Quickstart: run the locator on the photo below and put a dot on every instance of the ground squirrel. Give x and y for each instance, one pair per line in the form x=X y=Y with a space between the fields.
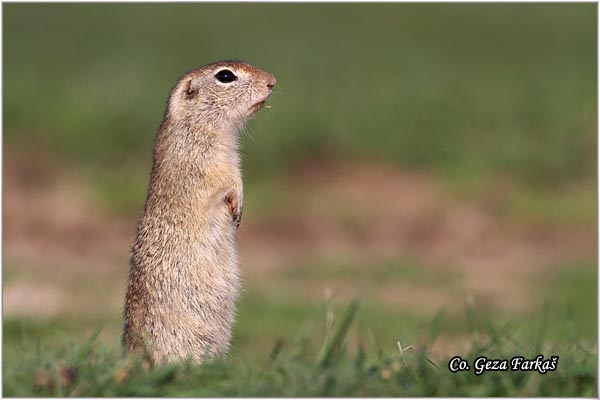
x=184 y=278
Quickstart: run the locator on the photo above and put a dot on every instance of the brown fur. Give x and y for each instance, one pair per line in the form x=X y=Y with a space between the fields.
x=184 y=277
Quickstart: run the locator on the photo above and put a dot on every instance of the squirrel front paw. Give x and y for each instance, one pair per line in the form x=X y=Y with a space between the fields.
x=236 y=206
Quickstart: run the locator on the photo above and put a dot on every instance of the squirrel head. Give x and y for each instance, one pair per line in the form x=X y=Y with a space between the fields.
x=221 y=96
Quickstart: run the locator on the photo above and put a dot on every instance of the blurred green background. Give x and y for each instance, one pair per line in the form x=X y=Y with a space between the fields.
x=415 y=155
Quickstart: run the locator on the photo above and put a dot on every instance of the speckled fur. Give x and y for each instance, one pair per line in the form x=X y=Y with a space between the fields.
x=184 y=276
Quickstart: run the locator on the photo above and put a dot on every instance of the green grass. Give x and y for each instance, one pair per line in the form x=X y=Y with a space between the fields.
x=468 y=92
x=36 y=350
x=319 y=362
x=291 y=302
x=572 y=294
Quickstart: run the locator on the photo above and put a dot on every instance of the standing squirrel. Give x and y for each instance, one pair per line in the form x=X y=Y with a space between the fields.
x=184 y=275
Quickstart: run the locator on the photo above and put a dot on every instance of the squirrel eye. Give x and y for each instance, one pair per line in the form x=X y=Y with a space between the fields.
x=225 y=76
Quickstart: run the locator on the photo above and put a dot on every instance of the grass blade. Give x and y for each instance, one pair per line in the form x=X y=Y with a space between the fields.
x=340 y=334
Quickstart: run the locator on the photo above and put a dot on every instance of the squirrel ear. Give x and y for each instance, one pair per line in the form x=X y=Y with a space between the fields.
x=190 y=92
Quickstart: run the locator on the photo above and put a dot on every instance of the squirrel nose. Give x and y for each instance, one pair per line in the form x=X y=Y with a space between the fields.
x=271 y=81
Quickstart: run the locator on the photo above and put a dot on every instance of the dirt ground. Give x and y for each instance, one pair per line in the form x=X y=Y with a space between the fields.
x=62 y=254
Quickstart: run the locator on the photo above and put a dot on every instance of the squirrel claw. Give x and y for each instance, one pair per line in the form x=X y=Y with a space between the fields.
x=235 y=208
